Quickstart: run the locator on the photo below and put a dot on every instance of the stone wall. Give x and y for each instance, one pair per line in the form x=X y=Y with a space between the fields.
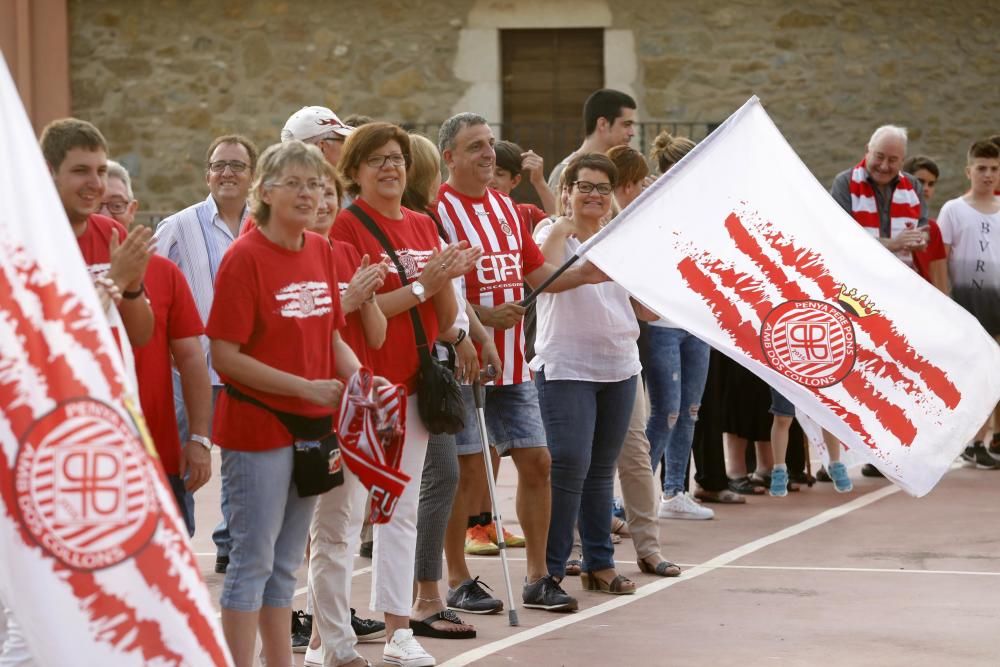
x=162 y=78
x=829 y=73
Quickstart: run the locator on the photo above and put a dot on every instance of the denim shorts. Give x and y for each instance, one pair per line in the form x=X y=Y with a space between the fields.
x=268 y=525
x=781 y=406
x=513 y=420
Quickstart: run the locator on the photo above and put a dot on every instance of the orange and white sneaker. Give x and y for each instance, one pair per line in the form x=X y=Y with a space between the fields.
x=512 y=540
x=478 y=542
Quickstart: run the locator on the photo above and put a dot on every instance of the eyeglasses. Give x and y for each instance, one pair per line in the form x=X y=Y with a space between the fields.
x=116 y=206
x=313 y=185
x=378 y=161
x=586 y=187
x=219 y=166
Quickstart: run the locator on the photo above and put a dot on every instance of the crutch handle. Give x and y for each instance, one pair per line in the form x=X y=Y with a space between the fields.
x=477 y=394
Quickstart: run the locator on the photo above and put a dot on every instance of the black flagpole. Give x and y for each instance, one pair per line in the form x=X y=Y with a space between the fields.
x=528 y=300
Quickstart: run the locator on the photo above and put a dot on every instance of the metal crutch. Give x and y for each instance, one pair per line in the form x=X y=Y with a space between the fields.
x=477 y=392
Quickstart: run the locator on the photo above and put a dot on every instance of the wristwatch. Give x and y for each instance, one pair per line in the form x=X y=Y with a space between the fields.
x=418 y=291
x=202 y=440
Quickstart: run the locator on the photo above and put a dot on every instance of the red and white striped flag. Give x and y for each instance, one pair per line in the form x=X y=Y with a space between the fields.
x=740 y=245
x=97 y=567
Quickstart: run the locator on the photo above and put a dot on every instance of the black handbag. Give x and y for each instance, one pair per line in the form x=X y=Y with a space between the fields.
x=439 y=397
x=316 y=463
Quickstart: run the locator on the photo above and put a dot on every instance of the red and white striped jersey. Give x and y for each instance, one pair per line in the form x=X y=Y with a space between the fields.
x=491 y=222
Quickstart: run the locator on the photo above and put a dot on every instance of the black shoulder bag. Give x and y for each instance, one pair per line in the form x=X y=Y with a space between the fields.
x=439 y=398
x=316 y=462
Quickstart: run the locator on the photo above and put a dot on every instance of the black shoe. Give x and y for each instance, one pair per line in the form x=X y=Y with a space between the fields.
x=980 y=456
x=221 y=563
x=800 y=477
x=868 y=470
x=823 y=476
x=547 y=594
x=471 y=597
x=367 y=630
x=366 y=550
x=302 y=624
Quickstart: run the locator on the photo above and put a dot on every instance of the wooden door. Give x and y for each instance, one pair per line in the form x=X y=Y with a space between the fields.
x=547 y=76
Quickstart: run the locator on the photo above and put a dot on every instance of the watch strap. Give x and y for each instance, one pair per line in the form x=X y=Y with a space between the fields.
x=135 y=294
x=201 y=440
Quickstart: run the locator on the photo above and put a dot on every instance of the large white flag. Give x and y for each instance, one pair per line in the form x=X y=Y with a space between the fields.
x=96 y=564
x=740 y=245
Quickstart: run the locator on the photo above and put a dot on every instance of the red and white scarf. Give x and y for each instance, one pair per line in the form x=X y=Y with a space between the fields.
x=372 y=430
x=904 y=209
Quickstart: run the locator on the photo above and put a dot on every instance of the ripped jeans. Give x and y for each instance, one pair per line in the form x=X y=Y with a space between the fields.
x=675 y=374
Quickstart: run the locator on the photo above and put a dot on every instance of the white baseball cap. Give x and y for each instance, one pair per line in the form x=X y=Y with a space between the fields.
x=309 y=122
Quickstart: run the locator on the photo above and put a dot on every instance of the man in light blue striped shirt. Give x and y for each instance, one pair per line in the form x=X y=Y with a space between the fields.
x=195 y=239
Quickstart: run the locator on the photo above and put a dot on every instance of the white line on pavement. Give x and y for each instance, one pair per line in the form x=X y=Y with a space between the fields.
x=470 y=657
x=878 y=570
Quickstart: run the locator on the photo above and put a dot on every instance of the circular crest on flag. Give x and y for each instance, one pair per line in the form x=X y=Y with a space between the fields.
x=306 y=301
x=809 y=342
x=85 y=486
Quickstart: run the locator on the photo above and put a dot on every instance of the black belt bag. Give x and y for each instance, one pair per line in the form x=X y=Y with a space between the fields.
x=316 y=463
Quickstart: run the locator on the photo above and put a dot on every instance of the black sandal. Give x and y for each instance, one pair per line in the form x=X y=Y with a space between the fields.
x=662 y=569
x=425 y=629
x=744 y=486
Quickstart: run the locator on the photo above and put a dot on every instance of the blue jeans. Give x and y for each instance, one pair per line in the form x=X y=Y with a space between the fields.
x=676 y=373
x=268 y=526
x=585 y=424
x=221 y=534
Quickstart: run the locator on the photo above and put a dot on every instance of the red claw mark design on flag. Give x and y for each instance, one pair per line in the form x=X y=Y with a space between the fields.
x=799 y=275
x=52 y=362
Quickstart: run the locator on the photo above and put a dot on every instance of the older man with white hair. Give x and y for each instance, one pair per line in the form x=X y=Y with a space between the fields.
x=886 y=201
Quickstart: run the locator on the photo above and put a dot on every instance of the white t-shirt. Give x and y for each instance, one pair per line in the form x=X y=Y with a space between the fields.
x=587 y=333
x=973 y=260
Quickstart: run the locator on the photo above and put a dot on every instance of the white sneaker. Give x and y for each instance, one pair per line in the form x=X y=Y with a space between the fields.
x=405 y=651
x=683 y=506
x=314 y=657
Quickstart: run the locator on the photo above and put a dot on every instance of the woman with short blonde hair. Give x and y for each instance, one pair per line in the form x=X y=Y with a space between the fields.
x=275 y=343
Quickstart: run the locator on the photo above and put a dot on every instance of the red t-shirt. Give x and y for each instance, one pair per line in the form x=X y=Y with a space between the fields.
x=492 y=223
x=934 y=251
x=95 y=241
x=176 y=316
x=348 y=260
x=413 y=238
x=248 y=225
x=281 y=306
x=531 y=215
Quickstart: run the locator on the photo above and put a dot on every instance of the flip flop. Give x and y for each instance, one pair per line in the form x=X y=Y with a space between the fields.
x=724 y=497
x=744 y=486
x=425 y=629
